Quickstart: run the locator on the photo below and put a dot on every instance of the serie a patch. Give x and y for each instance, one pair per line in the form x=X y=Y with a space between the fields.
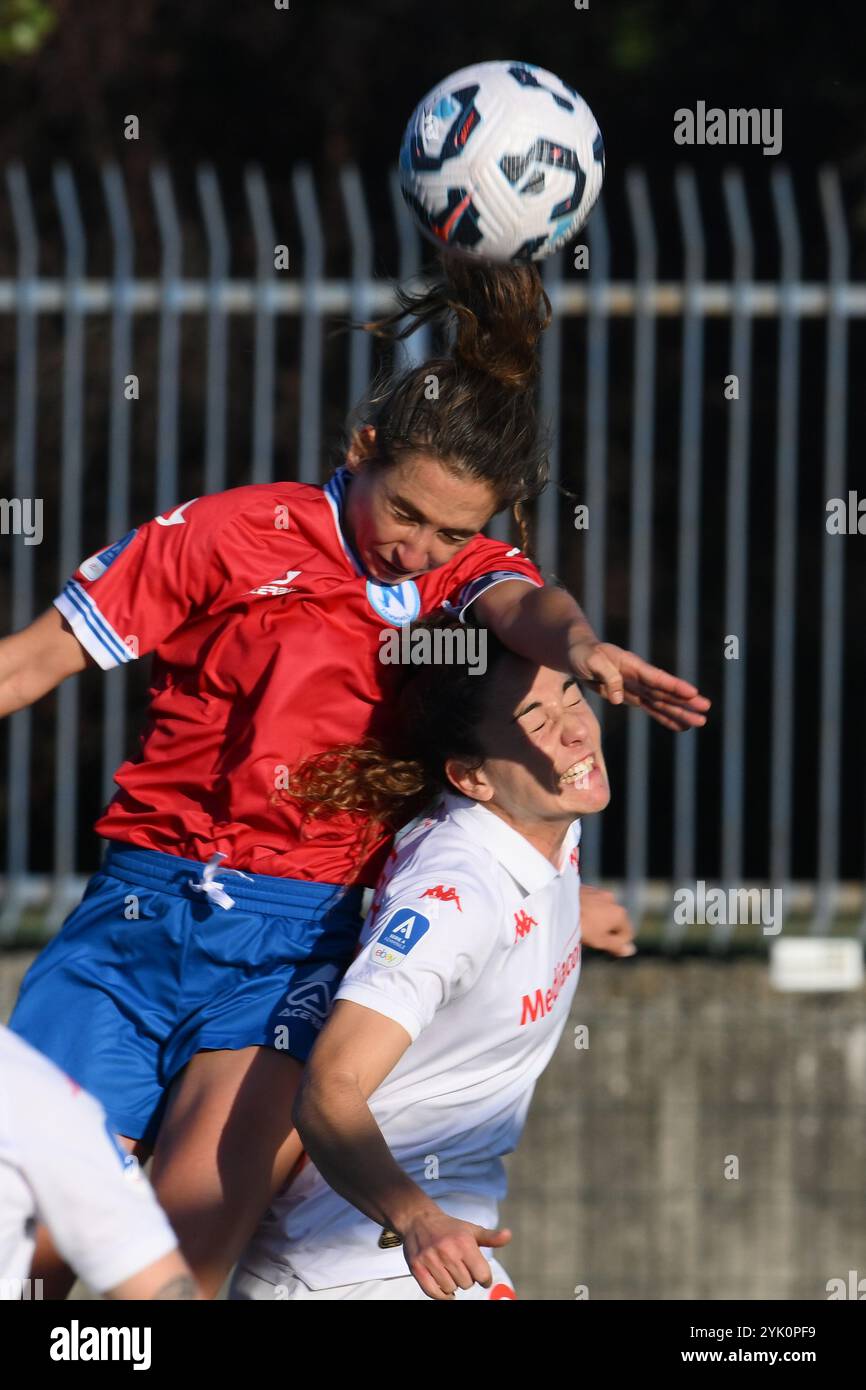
x=96 y=565
x=403 y=931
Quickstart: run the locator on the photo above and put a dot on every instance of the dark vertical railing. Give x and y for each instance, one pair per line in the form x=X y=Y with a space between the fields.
x=302 y=291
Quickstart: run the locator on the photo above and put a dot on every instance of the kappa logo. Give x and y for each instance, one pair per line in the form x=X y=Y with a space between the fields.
x=523 y=924
x=275 y=587
x=574 y=858
x=443 y=895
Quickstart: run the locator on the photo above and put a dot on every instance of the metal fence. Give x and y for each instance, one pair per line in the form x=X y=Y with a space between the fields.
x=309 y=298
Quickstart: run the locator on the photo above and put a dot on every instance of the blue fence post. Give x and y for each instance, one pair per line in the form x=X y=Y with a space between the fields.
x=120 y=416
x=785 y=569
x=736 y=548
x=168 y=384
x=358 y=221
x=594 y=540
x=833 y=552
x=547 y=513
x=19 y=731
x=216 y=389
x=419 y=345
x=689 y=531
x=71 y=493
x=265 y=349
x=311 y=325
x=640 y=577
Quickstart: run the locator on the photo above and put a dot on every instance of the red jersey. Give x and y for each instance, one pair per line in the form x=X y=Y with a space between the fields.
x=265 y=632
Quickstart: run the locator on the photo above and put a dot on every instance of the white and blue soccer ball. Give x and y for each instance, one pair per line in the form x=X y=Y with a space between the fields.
x=502 y=160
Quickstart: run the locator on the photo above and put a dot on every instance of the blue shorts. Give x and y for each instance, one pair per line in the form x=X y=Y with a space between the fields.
x=147 y=971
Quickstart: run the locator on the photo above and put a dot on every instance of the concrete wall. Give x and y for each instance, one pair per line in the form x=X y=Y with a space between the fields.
x=620 y=1183
x=692 y=1067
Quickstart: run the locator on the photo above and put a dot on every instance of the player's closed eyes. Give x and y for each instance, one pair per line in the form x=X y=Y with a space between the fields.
x=412 y=521
x=572 y=705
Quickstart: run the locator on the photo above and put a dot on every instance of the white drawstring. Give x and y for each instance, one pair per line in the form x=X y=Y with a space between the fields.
x=206 y=884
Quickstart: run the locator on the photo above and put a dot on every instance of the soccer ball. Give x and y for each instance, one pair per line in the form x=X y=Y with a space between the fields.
x=502 y=160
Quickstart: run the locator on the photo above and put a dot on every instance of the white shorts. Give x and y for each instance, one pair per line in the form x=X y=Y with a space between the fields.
x=246 y=1285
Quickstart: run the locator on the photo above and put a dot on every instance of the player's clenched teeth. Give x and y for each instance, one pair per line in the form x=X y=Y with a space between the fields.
x=579 y=772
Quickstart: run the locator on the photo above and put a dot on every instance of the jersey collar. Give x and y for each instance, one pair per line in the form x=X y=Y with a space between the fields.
x=513 y=851
x=335 y=491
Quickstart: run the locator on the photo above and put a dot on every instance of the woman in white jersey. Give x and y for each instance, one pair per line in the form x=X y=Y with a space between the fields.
x=422 y=1077
x=60 y=1163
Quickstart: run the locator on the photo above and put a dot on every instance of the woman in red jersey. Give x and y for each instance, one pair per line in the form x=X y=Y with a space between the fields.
x=184 y=995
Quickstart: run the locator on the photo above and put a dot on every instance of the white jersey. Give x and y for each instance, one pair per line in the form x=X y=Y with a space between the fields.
x=60 y=1164
x=472 y=944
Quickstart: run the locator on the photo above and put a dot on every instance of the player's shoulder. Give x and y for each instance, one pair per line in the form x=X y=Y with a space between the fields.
x=488 y=545
x=439 y=861
x=257 y=500
x=488 y=548
x=484 y=559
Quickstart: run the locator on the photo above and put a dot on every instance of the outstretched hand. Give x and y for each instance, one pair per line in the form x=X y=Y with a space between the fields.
x=622 y=677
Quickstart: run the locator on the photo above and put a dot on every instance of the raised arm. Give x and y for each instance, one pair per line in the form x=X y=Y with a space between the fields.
x=547 y=626
x=354 y=1053
x=37 y=659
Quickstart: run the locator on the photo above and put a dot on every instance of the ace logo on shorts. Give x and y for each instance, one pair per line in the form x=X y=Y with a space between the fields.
x=403 y=931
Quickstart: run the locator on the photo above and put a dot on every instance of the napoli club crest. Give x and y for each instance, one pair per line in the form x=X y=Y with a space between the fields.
x=397 y=604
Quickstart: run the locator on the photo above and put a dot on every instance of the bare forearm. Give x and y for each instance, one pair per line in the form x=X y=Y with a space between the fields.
x=36 y=660
x=168 y=1278
x=14 y=681
x=547 y=627
x=341 y=1136
x=20 y=688
x=543 y=625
